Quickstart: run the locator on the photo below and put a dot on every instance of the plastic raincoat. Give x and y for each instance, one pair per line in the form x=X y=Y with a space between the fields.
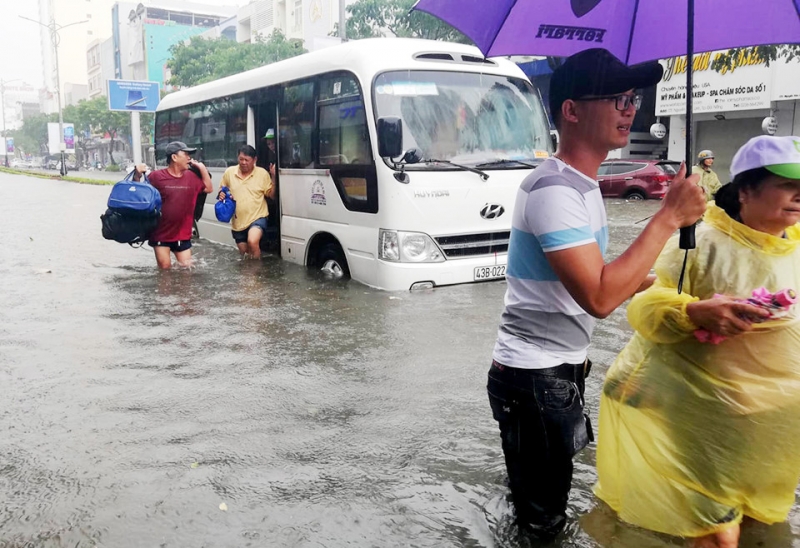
x=709 y=182
x=692 y=435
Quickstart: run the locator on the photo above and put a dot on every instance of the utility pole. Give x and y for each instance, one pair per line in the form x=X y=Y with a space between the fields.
x=54 y=36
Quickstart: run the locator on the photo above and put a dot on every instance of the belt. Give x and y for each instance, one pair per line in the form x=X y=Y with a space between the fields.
x=565 y=371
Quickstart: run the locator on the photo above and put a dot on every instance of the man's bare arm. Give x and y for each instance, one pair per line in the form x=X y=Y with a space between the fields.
x=600 y=288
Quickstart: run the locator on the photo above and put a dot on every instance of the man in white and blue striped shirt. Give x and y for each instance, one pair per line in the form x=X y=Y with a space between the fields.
x=559 y=283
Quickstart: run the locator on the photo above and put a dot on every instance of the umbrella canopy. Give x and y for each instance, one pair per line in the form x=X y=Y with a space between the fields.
x=633 y=30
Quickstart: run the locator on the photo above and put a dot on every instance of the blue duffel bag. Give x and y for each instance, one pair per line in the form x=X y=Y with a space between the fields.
x=134 y=209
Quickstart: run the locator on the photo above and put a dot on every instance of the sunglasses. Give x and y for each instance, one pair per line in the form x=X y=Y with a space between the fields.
x=622 y=102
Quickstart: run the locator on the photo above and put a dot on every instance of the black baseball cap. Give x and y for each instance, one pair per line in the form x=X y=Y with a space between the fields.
x=594 y=73
x=176 y=146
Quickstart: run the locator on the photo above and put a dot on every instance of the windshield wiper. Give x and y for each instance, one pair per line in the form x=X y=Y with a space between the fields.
x=504 y=161
x=484 y=175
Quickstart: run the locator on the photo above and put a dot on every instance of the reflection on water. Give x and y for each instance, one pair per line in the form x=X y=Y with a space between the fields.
x=252 y=403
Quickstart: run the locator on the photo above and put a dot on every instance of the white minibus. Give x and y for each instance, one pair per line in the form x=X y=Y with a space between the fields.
x=398 y=160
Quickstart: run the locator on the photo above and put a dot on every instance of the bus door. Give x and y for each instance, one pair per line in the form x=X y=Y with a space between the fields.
x=328 y=176
x=266 y=145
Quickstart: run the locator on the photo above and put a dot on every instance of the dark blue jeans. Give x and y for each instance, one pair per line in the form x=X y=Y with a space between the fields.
x=542 y=426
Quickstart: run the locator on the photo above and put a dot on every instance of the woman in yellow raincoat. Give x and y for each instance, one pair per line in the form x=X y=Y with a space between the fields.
x=693 y=436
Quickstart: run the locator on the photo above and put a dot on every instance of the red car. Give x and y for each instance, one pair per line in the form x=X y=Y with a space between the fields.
x=636 y=179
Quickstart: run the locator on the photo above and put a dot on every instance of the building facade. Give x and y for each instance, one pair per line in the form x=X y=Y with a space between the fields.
x=19 y=100
x=309 y=20
x=730 y=106
x=142 y=34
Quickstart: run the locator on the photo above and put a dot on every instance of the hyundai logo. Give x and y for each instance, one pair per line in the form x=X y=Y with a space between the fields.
x=492 y=211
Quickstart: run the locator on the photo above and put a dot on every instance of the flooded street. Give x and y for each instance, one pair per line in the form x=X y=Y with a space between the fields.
x=246 y=403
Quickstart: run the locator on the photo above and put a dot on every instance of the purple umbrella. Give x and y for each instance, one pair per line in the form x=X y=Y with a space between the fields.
x=634 y=31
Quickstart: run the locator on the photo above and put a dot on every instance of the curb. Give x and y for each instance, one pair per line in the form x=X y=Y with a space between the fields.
x=79 y=180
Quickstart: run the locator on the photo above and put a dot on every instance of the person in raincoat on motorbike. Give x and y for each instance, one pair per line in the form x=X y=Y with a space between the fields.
x=709 y=181
x=694 y=436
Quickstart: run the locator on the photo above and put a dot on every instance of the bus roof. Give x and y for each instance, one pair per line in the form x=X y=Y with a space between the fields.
x=363 y=57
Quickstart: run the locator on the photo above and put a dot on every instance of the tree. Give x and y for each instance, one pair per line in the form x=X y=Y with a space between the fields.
x=204 y=60
x=734 y=57
x=32 y=136
x=93 y=116
x=377 y=18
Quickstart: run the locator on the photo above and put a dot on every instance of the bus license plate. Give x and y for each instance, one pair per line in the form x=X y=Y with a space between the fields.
x=490 y=272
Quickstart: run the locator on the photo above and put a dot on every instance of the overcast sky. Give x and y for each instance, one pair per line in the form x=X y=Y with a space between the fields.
x=19 y=40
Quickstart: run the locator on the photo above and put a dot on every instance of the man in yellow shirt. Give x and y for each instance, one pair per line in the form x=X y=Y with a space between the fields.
x=709 y=181
x=249 y=185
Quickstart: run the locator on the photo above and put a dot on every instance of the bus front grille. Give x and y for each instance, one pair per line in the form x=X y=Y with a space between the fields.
x=473 y=245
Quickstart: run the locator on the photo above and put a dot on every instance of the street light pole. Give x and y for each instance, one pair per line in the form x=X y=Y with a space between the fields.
x=61 y=144
x=54 y=29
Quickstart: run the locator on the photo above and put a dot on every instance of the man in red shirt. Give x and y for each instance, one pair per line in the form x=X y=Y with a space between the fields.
x=179 y=187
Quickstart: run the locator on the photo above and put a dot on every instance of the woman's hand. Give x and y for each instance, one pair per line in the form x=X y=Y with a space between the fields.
x=725 y=316
x=645 y=285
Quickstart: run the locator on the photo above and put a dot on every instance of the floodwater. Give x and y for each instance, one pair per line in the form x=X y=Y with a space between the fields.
x=245 y=403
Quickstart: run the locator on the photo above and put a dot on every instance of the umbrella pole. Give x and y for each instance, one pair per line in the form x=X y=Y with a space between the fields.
x=687 y=233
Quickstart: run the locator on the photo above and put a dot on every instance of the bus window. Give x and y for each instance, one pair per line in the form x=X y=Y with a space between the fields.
x=297 y=124
x=237 y=128
x=343 y=134
x=464 y=117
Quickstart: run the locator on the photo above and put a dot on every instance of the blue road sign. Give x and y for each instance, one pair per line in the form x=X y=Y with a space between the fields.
x=133 y=95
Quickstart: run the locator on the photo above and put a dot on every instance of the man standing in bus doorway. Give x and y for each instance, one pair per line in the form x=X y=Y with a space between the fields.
x=271 y=154
x=179 y=187
x=249 y=185
x=709 y=181
x=558 y=282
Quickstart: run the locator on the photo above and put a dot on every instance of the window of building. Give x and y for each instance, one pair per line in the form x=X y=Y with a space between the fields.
x=298 y=14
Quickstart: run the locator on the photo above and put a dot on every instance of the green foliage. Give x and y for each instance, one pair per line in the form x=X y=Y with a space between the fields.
x=734 y=57
x=376 y=18
x=93 y=115
x=204 y=60
x=32 y=136
x=112 y=167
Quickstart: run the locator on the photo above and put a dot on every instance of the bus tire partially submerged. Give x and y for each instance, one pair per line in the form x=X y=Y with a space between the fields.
x=469 y=130
x=327 y=256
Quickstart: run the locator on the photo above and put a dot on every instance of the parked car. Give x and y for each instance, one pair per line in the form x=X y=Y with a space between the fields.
x=636 y=179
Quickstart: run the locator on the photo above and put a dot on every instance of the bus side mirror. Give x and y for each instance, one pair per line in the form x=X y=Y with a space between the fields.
x=554 y=138
x=390 y=137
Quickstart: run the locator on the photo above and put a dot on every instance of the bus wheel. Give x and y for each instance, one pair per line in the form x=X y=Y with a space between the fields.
x=331 y=261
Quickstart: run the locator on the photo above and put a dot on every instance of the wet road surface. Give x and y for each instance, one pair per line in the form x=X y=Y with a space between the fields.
x=245 y=403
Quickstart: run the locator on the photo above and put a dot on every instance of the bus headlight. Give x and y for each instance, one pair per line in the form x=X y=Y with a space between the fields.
x=408 y=247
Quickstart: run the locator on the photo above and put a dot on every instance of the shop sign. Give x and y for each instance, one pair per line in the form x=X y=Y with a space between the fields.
x=745 y=86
